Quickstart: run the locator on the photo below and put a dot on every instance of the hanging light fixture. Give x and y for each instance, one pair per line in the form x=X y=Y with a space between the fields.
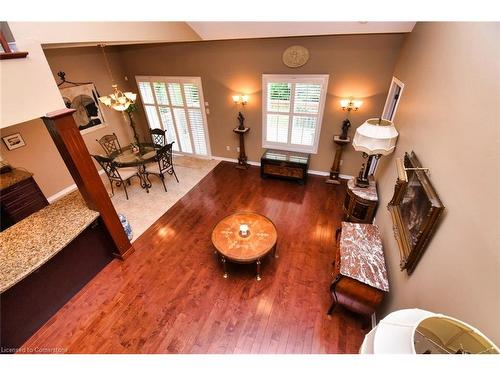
x=118 y=100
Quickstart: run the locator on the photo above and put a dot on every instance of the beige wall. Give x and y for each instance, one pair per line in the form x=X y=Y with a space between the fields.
x=449 y=115
x=27 y=89
x=39 y=156
x=86 y=64
x=358 y=65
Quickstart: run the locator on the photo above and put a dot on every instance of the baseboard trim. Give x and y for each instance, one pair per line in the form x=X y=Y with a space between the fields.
x=231 y=160
x=257 y=164
x=66 y=191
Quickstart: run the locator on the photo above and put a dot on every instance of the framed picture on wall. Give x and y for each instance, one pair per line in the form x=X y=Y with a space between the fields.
x=415 y=210
x=14 y=141
x=84 y=99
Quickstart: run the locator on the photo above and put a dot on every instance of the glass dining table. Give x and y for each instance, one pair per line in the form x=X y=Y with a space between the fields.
x=128 y=158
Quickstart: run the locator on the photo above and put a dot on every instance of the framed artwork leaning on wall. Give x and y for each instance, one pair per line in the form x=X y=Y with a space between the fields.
x=415 y=210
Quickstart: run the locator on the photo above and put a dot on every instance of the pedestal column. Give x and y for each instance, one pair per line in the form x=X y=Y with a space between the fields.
x=242 y=159
x=335 y=170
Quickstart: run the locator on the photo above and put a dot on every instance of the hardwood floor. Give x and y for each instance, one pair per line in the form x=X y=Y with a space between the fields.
x=169 y=296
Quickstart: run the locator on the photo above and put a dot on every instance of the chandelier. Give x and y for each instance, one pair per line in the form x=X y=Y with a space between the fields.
x=118 y=100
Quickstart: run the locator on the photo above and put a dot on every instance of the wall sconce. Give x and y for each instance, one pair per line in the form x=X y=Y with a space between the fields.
x=243 y=99
x=350 y=104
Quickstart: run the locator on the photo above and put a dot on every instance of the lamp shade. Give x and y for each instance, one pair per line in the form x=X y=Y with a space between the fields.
x=375 y=137
x=415 y=331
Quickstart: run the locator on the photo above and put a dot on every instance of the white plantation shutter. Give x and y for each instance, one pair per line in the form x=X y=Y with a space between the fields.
x=167 y=120
x=292 y=111
x=161 y=93
x=183 y=131
x=277 y=128
x=196 y=120
x=174 y=104
x=192 y=95
x=152 y=115
x=146 y=93
x=303 y=130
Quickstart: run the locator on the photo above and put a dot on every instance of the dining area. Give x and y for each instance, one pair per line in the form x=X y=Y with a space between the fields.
x=137 y=160
x=145 y=179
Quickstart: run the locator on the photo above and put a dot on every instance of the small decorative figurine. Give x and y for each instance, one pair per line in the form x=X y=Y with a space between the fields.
x=346 y=124
x=241 y=119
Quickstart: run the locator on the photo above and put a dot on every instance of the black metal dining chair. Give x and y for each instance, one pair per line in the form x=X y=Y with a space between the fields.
x=158 y=137
x=110 y=143
x=163 y=164
x=120 y=176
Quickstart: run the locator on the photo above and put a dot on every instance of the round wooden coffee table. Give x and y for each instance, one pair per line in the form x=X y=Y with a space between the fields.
x=248 y=247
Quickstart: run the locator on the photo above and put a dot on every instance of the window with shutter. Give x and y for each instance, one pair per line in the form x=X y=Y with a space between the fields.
x=175 y=104
x=292 y=111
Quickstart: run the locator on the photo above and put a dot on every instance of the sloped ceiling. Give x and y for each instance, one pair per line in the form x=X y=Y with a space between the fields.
x=245 y=30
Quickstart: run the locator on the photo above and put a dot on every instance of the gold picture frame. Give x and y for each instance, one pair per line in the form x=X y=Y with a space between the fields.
x=415 y=210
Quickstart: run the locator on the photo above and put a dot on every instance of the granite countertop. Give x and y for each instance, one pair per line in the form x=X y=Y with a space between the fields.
x=28 y=244
x=369 y=193
x=362 y=255
x=13 y=177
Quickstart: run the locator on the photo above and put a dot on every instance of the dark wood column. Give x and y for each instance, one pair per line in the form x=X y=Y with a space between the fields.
x=69 y=142
x=242 y=159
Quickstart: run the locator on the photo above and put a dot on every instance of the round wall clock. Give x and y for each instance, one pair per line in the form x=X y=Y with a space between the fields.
x=295 y=56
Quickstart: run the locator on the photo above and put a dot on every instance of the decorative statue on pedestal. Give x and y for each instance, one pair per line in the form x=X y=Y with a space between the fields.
x=346 y=124
x=241 y=119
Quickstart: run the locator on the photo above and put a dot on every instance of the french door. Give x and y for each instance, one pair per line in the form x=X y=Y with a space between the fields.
x=176 y=104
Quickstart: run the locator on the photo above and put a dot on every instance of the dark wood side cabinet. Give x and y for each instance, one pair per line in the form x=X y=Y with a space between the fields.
x=360 y=204
x=284 y=164
x=20 y=199
x=27 y=305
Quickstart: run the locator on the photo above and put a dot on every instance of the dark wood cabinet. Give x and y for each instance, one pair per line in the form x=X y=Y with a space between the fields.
x=27 y=305
x=284 y=164
x=360 y=204
x=20 y=200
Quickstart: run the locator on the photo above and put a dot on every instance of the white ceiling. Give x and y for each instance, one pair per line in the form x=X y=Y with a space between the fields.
x=245 y=30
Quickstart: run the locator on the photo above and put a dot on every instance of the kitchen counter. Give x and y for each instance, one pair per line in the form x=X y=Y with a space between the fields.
x=33 y=241
x=13 y=177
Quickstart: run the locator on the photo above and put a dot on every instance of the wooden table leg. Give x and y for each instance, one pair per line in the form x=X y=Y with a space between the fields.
x=258 y=270
x=224 y=267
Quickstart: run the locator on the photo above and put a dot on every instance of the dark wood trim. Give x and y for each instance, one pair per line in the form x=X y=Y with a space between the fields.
x=8 y=54
x=13 y=55
x=69 y=142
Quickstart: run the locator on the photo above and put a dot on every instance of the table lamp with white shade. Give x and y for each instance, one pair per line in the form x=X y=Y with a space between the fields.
x=416 y=331
x=375 y=137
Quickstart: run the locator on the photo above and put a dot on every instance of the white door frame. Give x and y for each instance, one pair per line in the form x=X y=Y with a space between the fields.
x=390 y=96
